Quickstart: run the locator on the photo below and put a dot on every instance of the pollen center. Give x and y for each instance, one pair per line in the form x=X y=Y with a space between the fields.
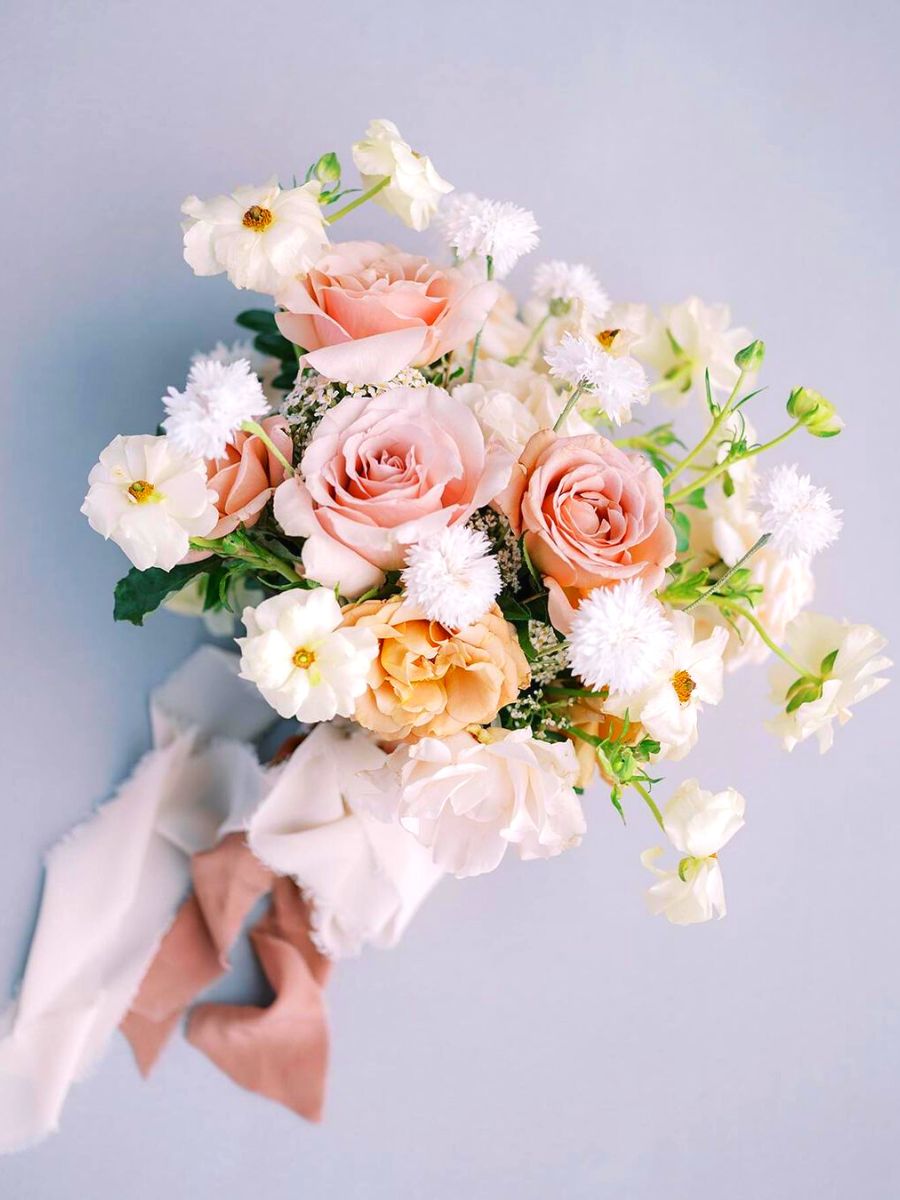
x=303 y=659
x=257 y=218
x=141 y=491
x=683 y=685
x=606 y=337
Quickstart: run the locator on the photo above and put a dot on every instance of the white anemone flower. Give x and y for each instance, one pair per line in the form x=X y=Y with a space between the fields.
x=796 y=512
x=261 y=237
x=415 y=189
x=705 y=341
x=452 y=576
x=620 y=637
x=690 y=676
x=489 y=229
x=469 y=797
x=216 y=402
x=303 y=662
x=698 y=823
x=150 y=499
x=850 y=659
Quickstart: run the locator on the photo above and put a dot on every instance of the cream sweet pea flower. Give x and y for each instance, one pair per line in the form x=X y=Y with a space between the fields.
x=150 y=499
x=261 y=237
x=850 y=658
x=691 y=676
x=415 y=190
x=699 y=824
x=470 y=797
x=304 y=664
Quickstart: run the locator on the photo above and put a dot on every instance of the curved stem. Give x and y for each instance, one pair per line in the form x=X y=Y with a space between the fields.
x=515 y=359
x=649 y=801
x=475 y=345
x=577 y=393
x=719 y=468
x=709 y=435
x=348 y=208
x=738 y=610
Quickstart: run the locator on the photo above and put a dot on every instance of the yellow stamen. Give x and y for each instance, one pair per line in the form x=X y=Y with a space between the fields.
x=683 y=685
x=142 y=492
x=303 y=659
x=606 y=337
x=257 y=218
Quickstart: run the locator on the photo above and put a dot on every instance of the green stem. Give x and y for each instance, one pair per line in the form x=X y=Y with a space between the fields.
x=719 y=468
x=719 y=584
x=649 y=801
x=738 y=610
x=475 y=345
x=709 y=435
x=255 y=428
x=577 y=393
x=348 y=208
x=529 y=345
x=257 y=557
x=644 y=443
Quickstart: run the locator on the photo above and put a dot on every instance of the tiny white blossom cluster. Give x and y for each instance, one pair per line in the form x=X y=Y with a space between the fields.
x=489 y=229
x=218 y=399
x=452 y=576
x=619 y=382
x=796 y=512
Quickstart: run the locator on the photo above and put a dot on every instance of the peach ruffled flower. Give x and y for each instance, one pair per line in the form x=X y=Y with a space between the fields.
x=429 y=682
x=591 y=516
x=367 y=311
x=246 y=475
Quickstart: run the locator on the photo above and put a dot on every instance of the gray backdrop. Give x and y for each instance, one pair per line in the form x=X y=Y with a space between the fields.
x=536 y=1034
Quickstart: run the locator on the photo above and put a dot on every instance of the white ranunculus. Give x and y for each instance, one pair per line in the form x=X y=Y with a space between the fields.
x=260 y=236
x=150 y=500
x=853 y=675
x=304 y=664
x=512 y=403
x=698 y=823
x=691 y=676
x=468 y=798
x=415 y=190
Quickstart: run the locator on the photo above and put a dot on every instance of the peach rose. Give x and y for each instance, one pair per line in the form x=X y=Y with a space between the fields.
x=591 y=515
x=429 y=682
x=246 y=476
x=366 y=311
x=380 y=474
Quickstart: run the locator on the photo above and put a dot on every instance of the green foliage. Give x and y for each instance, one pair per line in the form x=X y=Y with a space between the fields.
x=269 y=341
x=751 y=357
x=681 y=523
x=142 y=592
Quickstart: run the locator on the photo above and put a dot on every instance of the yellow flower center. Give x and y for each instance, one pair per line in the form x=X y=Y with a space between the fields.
x=257 y=218
x=683 y=685
x=142 y=492
x=606 y=337
x=303 y=659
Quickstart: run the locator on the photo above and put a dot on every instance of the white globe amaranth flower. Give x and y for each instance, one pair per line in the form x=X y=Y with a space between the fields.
x=848 y=658
x=452 y=576
x=698 y=823
x=575 y=360
x=690 y=676
x=619 y=638
x=796 y=512
x=619 y=383
x=571 y=283
x=468 y=798
x=150 y=499
x=494 y=229
x=261 y=237
x=696 y=337
x=217 y=400
x=303 y=662
x=415 y=189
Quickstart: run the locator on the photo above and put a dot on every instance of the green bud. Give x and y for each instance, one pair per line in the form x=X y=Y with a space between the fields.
x=328 y=168
x=817 y=414
x=751 y=357
x=560 y=307
x=802 y=691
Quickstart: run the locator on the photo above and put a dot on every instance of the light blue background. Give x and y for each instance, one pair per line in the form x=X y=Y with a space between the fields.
x=536 y=1034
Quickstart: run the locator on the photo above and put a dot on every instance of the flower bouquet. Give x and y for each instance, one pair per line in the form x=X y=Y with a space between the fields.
x=463 y=567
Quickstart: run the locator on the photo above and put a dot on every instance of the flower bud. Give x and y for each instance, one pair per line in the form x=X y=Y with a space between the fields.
x=751 y=357
x=815 y=412
x=328 y=168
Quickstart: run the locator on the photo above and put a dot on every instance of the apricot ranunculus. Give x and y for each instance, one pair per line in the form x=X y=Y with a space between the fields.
x=366 y=311
x=246 y=475
x=381 y=473
x=591 y=516
x=429 y=682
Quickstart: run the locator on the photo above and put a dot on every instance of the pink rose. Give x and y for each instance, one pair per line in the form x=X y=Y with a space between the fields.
x=246 y=476
x=382 y=473
x=591 y=515
x=366 y=311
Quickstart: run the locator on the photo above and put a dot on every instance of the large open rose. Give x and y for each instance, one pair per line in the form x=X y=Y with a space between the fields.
x=591 y=515
x=366 y=311
x=382 y=473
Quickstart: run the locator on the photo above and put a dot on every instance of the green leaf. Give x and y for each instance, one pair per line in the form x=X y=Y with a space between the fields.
x=260 y=320
x=682 y=525
x=828 y=662
x=696 y=499
x=727 y=485
x=276 y=346
x=142 y=592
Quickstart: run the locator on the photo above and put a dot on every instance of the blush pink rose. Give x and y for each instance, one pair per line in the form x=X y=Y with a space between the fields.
x=591 y=516
x=246 y=476
x=367 y=311
x=382 y=473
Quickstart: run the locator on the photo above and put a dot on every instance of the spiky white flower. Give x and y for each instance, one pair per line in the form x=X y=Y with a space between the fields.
x=452 y=576
x=576 y=360
x=217 y=400
x=150 y=499
x=415 y=190
x=227 y=354
x=303 y=662
x=260 y=236
x=699 y=824
x=494 y=229
x=848 y=658
x=620 y=383
x=797 y=514
x=571 y=283
x=620 y=637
